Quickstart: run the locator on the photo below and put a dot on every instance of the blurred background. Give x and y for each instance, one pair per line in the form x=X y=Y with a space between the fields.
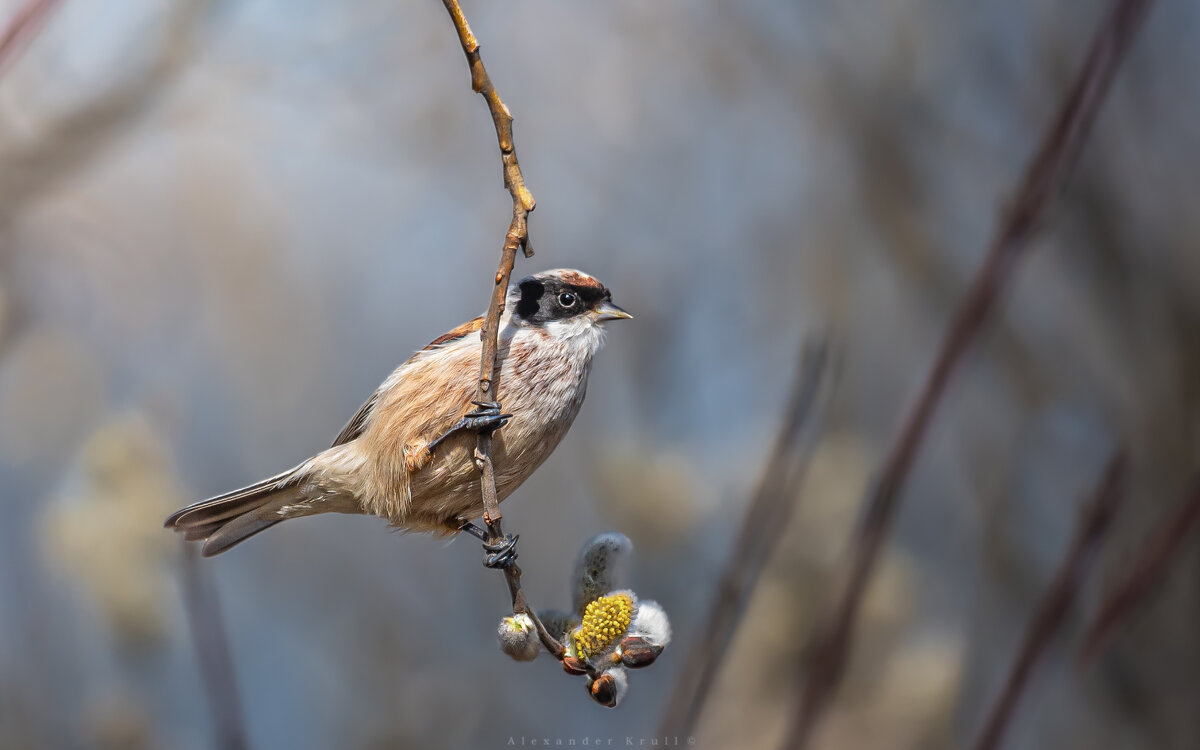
x=223 y=224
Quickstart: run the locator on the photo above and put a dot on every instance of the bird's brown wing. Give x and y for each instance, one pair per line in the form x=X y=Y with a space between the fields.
x=355 y=426
x=471 y=326
x=358 y=422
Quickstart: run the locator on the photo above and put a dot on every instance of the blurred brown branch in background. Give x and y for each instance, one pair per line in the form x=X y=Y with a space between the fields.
x=22 y=27
x=767 y=515
x=1058 y=600
x=66 y=145
x=517 y=237
x=212 y=654
x=830 y=644
x=1155 y=559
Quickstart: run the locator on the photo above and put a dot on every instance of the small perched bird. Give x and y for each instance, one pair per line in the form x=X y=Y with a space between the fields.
x=407 y=456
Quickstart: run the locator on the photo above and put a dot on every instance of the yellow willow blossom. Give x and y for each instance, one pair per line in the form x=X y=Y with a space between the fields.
x=605 y=620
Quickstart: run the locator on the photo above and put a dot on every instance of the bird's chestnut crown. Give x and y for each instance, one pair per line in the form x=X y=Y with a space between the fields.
x=559 y=295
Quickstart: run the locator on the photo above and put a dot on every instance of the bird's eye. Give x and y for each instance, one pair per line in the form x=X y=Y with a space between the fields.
x=566 y=299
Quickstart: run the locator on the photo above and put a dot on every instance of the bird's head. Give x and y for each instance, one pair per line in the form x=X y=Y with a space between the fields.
x=563 y=296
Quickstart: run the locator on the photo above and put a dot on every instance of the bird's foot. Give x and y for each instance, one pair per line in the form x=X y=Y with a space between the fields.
x=473 y=530
x=502 y=553
x=485 y=418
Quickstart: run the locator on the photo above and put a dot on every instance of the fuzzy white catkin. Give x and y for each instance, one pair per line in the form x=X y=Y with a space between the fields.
x=518 y=637
x=650 y=622
x=600 y=567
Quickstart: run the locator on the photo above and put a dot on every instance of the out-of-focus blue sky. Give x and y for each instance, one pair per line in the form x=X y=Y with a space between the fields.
x=222 y=224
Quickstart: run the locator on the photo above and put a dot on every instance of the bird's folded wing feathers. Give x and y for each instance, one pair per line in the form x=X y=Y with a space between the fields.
x=358 y=422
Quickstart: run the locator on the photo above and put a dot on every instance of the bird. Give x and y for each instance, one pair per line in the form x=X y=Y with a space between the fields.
x=407 y=455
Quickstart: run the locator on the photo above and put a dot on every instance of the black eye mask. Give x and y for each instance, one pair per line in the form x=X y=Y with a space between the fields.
x=540 y=303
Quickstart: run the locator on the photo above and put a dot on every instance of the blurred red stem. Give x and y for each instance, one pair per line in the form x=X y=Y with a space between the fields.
x=1043 y=177
x=22 y=27
x=1159 y=553
x=1058 y=600
x=212 y=654
x=767 y=515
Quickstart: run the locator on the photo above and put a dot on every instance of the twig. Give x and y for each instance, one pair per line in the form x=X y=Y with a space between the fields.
x=767 y=515
x=21 y=28
x=517 y=237
x=1160 y=552
x=1058 y=600
x=1042 y=180
x=523 y=203
x=212 y=654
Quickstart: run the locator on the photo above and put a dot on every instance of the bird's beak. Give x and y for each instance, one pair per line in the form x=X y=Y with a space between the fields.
x=609 y=311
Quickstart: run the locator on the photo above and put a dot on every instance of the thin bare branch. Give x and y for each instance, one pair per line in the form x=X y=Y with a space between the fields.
x=516 y=238
x=523 y=202
x=1158 y=555
x=212 y=654
x=1058 y=600
x=767 y=515
x=1042 y=181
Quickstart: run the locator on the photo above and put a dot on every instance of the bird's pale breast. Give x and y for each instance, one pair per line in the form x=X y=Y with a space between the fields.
x=542 y=382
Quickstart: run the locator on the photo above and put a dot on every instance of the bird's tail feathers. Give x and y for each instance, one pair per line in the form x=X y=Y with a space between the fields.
x=226 y=520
